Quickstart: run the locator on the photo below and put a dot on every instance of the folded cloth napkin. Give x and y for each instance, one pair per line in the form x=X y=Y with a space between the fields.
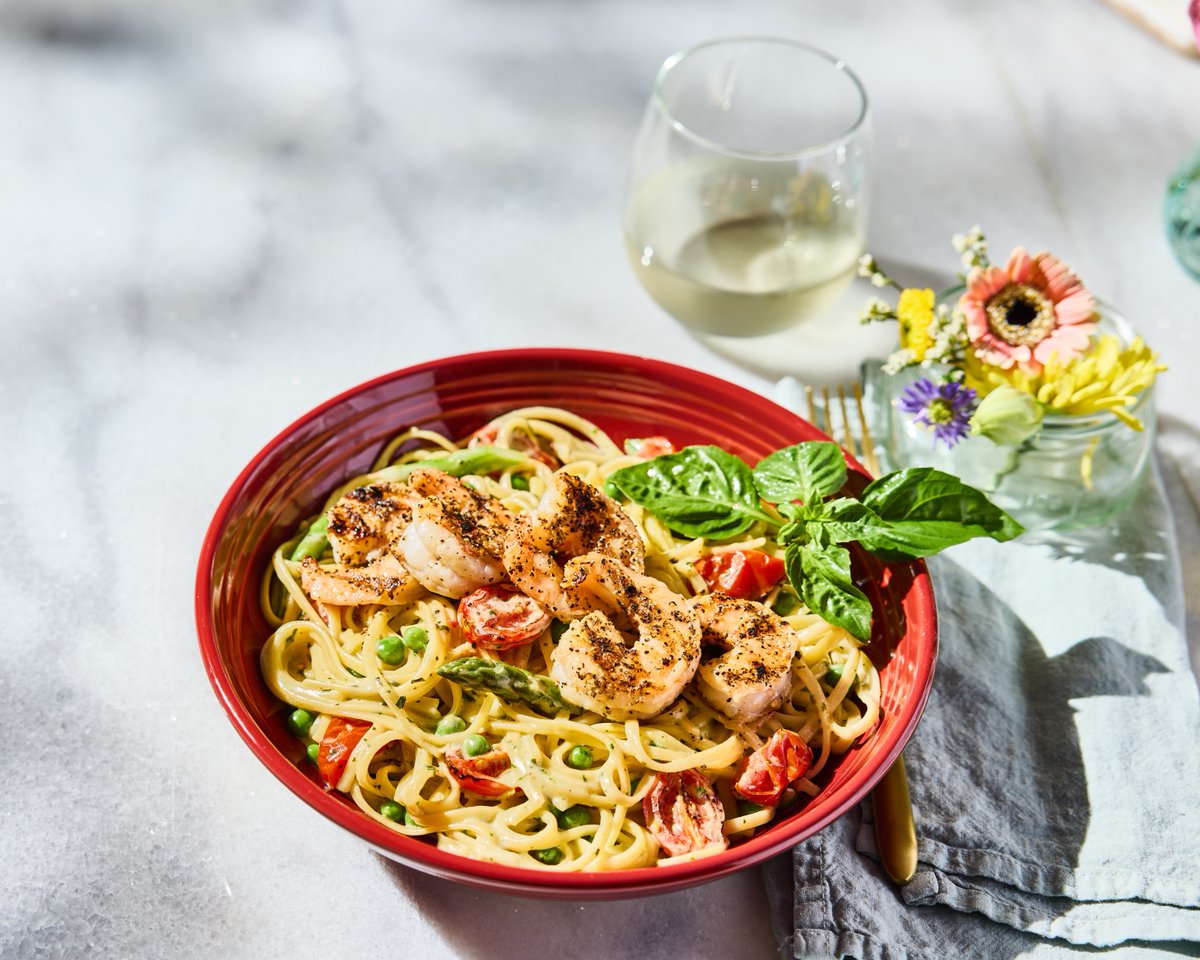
x=1055 y=774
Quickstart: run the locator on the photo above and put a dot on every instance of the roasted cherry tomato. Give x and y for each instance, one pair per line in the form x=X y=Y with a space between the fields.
x=478 y=774
x=500 y=616
x=772 y=767
x=486 y=435
x=341 y=736
x=521 y=441
x=742 y=574
x=649 y=447
x=683 y=813
x=529 y=446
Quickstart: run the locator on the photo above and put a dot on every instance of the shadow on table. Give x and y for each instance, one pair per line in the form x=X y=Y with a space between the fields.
x=1146 y=522
x=727 y=918
x=1025 y=696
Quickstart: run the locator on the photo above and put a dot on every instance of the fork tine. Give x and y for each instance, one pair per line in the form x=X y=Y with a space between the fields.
x=870 y=460
x=847 y=433
x=858 y=443
x=812 y=405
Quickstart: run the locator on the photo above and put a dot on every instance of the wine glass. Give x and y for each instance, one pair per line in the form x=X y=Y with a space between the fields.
x=747 y=201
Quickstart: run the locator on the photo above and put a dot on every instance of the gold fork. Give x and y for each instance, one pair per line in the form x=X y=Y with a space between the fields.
x=895 y=830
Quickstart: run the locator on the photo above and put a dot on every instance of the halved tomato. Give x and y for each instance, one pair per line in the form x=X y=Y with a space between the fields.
x=478 y=774
x=522 y=441
x=768 y=771
x=341 y=737
x=649 y=447
x=500 y=616
x=742 y=574
x=683 y=812
x=485 y=435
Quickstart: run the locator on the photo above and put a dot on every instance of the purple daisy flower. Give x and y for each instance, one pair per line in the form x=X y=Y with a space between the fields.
x=945 y=408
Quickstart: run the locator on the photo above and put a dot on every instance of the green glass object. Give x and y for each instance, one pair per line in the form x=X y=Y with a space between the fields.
x=1181 y=212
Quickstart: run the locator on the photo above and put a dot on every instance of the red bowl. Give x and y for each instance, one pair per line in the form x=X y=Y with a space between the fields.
x=625 y=395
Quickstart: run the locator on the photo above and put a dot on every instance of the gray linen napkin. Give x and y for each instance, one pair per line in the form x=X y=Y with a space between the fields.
x=1055 y=774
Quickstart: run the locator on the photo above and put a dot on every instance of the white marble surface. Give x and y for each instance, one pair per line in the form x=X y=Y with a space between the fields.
x=202 y=198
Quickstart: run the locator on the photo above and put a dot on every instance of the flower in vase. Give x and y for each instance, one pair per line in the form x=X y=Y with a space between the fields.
x=915 y=313
x=1007 y=416
x=1110 y=376
x=945 y=408
x=1194 y=13
x=1027 y=311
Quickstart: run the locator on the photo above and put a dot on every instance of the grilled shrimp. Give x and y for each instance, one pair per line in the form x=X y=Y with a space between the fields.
x=753 y=674
x=365 y=520
x=573 y=518
x=453 y=543
x=596 y=664
x=383 y=580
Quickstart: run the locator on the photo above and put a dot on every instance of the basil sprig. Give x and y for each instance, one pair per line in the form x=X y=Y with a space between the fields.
x=917 y=512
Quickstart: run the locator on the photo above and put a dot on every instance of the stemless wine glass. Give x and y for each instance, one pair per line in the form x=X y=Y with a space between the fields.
x=747 y=201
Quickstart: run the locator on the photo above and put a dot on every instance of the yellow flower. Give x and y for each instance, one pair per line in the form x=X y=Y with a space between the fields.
x=915 y=312
x=1107 y=377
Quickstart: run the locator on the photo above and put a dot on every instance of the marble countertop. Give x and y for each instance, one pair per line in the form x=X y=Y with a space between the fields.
x=202 y=198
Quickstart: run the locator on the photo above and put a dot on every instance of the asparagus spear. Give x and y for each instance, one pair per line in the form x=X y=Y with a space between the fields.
x=507 y=682
x=313 y=543
x=458 y=463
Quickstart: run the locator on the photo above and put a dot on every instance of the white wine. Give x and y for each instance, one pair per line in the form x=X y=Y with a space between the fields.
x=747 y=272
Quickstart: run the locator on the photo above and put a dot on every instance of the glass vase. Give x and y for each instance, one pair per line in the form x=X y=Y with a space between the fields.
x=1075 y=472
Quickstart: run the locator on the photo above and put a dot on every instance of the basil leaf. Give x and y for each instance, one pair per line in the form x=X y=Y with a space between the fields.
x=808 y=472
x=925 y=511
x=821 y=575
x=843 y=520
x=473 y=461
x=697 y=492
x=792 y=531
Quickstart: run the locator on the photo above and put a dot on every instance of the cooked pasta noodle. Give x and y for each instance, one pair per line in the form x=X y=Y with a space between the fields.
x=330 y=661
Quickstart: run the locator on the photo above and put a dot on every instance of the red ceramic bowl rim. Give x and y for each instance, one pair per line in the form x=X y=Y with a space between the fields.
x=518 y=880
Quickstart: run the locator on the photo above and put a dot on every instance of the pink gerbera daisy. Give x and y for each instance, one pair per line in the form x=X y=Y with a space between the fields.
x=1030 y=309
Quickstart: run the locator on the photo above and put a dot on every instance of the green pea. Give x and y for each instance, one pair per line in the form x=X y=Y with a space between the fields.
x=575 y=816
x=414 y=637
x=834 y=673
x=786 y=603
x=313 y=752
x=747 y=807
x=450 y=724
x=391 y=649
x=580 y=758
x=392 y=810
x=519 y=482
x=551 y=855
x=557 y=629
x=475 y=745
x=300 y=722
x=410 y=820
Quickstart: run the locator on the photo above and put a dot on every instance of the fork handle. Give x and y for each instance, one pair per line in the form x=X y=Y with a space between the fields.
x=895 y=832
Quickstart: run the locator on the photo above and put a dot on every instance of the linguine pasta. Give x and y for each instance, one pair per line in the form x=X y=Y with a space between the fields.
x=325 y=660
